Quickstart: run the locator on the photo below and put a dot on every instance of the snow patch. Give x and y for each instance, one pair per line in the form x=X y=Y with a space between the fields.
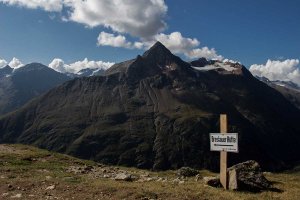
x=216 y=66
x=206 y=68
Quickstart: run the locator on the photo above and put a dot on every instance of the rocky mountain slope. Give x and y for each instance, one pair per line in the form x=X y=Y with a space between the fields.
x=289 y=90
x=21 y=85
x=156 y=111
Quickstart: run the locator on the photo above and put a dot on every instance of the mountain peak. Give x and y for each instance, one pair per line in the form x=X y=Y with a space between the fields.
x=156 y=60
x=31 y=67
x=157 y=48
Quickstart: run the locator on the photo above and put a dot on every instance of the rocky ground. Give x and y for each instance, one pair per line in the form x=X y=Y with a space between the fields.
x=30 y=173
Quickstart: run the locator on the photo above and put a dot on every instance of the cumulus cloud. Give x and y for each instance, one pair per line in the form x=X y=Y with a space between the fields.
x=231 y=61
x=173 y=41
x=79 y=65
x=48 y=5
x=204 y=52
x=179 y=44
x=176 y=42
x=3 y=63
x=142 y=18
x=287 y=70
x=108 y=39
x=15 y=63
x=59 y=65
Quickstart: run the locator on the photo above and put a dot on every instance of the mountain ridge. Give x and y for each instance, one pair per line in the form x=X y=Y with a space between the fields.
x=18 y=86
x=160 y=117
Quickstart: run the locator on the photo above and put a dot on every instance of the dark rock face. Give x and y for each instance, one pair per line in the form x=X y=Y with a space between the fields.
x=156 y=111
x=5 y=71
x=289 y=90
x=201 y=62
x=247 y=176
x=21 y=85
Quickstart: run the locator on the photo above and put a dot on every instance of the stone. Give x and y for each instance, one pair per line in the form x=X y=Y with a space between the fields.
x=5 y=194
x=247 y=176
x=176 y=180
x=198 y=177
x=187 y=172
x=17 y=196
x=212 y=181
x=51 y=187
x=232 y=182
x=124 y=177
x=87 y=169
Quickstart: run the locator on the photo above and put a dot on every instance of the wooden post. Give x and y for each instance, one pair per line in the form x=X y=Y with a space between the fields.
x=223 y=154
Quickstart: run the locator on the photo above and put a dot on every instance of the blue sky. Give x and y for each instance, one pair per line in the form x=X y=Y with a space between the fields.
x=249 y=31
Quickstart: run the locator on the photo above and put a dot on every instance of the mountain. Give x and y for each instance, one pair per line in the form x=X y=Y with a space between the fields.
x=20 y=85
x=87 y=72
x=290 y=90
x=156 y=111
x=5 y=71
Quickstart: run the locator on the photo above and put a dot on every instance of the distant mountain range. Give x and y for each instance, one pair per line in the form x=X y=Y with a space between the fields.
x=86 y=73
x=156 y=111
x=20 y=85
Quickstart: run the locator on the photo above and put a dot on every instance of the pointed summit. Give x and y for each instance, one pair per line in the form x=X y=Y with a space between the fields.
x=156 y=60
x=159 y=55
x=157 y=49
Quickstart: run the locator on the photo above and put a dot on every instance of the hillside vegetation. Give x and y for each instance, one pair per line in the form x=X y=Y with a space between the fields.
x=30 y=173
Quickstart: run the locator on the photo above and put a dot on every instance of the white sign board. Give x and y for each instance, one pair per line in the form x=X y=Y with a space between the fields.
x=224 y=142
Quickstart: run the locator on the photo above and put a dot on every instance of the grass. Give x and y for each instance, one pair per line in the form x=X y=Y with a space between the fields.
x=29 y=171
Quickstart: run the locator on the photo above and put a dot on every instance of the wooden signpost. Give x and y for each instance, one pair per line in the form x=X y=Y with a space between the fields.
x=223 y=154
x=224 y=142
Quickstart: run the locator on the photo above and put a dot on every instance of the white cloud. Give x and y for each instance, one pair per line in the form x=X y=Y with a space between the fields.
x=108 y=39
x=79 y=65
x=183 y=45
x=59 y=65
x=48 y=5
x=176 y=42
x=287 y=70
x=204 y=52
x=15 y=63
x=3 y=63
x=142 y=18
x=231 y=61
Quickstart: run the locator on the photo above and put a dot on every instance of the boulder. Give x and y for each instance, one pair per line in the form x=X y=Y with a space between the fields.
x=247 y=176
x=187 y=172
x=212 y=181
x=125 y=177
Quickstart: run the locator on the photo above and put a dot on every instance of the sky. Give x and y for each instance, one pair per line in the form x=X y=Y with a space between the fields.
x=263 y=35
